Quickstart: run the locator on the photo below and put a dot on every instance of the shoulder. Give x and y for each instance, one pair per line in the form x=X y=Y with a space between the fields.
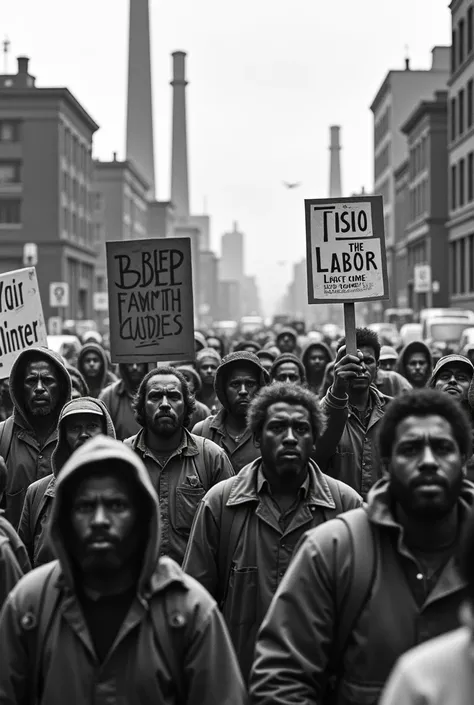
x=27 y=591
x=131 y=442
x=349 y=497
x=38 y=486
x=203 y=428
x=111 y=389
x=334 y=536
x=205 y=445
x=215 y=496
x=189 y=595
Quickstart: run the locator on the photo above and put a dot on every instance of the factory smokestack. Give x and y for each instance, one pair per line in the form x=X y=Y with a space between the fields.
x=140 y=147
x=335 y=188
x=179 y=153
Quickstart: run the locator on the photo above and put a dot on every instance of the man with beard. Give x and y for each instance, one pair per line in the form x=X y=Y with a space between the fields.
x=118 y=398
x=238 y=379
x=182 y=466
x=354 y=401
x=93 y=365
x=409 y=589
x=253 y=521
x=315 y=357
x=207 y=362
x=415 y=364
x=110 y=621
x=39 y=387
x=80 y=420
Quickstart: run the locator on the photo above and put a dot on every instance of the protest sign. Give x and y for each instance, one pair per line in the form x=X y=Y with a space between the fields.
x=22 y=323
x=150 y=300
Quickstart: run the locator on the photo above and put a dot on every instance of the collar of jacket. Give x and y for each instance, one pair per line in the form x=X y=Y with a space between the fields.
x=245 y=488
x=377 y=400
x=218 y=425
x=187 y=446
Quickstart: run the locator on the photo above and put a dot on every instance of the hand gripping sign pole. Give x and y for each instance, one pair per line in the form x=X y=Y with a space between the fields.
x=346 y=260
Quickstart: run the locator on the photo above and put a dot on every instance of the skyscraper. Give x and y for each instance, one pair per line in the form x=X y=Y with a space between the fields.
x=179 y=149
x=140 y=145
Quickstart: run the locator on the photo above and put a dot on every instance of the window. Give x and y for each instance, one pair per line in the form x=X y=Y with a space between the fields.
x=453 y=51
x=461 y=111
x=470 y=176
x=74 y=224
x=10 y=211
x=65 y=219
x=469 y=30
x=454 y=279
x=461 y=40
x=469 y=98
x=453 y=187
x=461 y=267
x=9 y=172
x=461 y=182
x=453 y=119
x=9 y=131
x=98 y=201
x=471 y=262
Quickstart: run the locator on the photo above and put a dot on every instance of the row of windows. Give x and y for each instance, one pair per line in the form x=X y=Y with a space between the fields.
x=462 y=111
x=77 y=192
x=417 y=255
x=10 y=172
x=76 y=151
x=459 y=179
x=462 y=254
x=418 y=157
x=10 y=211
x=419 y=200
x=382 y=127
x=382 y=161
x=76 y=225
x=462 y=40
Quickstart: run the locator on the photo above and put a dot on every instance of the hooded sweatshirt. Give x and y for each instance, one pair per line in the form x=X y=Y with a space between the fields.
x=104 y=378
x=78 y=381
x=288 y=331
x=315 y=387
x=39 y=496
x=28 y=460
x=136 y=670
x=118 y=398
x=288 y=357
x=414 y=346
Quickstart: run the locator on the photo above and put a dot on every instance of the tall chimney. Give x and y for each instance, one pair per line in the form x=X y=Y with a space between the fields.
x=140 y=147
x=335 y=189
x=179 y=153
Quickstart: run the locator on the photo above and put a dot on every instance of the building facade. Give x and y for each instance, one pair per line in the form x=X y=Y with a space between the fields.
x=423 y=231
x=461 y=156
x=399 y=94
x=46 y=191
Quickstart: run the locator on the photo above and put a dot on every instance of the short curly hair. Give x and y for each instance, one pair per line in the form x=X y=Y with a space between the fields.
x=139 y=400
x=424 y=402
x=365 y=338
x=287 y=393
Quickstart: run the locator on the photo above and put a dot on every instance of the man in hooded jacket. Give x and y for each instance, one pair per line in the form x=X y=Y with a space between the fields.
x=117 y=623
x=80 y=420
x=415 y=363
x=39 y=387
x=93 y=365
x=118 y=398
x=315 y=357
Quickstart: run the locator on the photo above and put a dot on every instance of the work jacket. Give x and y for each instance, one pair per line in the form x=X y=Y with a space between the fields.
x=214 y=428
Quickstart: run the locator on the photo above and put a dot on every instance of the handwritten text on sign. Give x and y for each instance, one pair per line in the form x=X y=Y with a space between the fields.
x=346 y=256
x=150 y=299
x=21 y=316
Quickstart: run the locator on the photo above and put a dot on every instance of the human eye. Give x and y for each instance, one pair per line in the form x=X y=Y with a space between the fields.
x=409 y=448
x=443 y=447
x=84 y=506
x=118 y=505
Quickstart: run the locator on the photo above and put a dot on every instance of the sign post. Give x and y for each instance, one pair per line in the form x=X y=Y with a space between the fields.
x=346 y=260
x=150 y=300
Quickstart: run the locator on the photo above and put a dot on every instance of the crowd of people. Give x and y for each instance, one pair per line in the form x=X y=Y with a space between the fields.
x=276 y=521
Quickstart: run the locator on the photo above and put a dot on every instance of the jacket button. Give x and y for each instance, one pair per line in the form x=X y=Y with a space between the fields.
x=40 y=457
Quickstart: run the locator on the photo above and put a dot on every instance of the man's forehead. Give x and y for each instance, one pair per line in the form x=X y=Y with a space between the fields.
x=167 y=381
x=242 y=370
x=420 y=426
x=367 y=350
x=456 y=367
x=284 y=410
x=103 y=484
x=40 y=366
x=287 y=366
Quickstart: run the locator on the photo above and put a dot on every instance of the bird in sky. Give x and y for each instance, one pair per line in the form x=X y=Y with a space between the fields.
x=288 y=184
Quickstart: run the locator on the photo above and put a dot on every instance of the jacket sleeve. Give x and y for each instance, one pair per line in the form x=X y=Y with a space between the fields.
x=295 y=640
x=24 y=528
x=400 y=687
x=202 y=552
x=336 y=411
x=211 y=669
x=16 y=667
x=10 y=571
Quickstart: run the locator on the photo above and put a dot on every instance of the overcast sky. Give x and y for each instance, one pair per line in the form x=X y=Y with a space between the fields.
x=267 y=79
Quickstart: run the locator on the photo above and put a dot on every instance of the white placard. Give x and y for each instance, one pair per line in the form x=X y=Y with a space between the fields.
x=59 y=294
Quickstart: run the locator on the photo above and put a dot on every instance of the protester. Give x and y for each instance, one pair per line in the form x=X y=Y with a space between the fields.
x=79 y=384
x=199 y=341
x=6 y=404
x=288 y=368
x=247 y=346
x=10 y=571
x=182 y=466
x=201 y=411
x=388 y=358
x=267 y=358
x=93 y=365
x=39 y=387
x=109 y=621
x=453 y=375
x=80 y=420
x=7 y=530
x=353 y=397
x=207 y=362
x=416 y=364
x=253 y=522
x=238 y=379
x=118 y=398
x=363 y=590
x=391 y=383
x=316 y=355
x=287 y=341
x=213 y=341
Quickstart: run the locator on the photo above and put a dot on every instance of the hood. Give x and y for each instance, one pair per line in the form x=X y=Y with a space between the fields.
x=118 y=459
x=227 y=363
x=200 y=340
x=62 y=452
x=195 y=375
x=94 y=347
x=16 y=381
x=288 y=357
x=312 y=344
x=287 y=331
x=206 y=354
x=446 y=360
x=78 y=380
x=123 y=373
x=414 y=346
x=242 y=344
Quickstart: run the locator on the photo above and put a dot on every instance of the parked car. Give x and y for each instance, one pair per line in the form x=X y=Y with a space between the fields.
x=446 y=331
x=427 y=314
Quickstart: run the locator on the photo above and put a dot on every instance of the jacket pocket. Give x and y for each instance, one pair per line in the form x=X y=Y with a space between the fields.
x=187 y=501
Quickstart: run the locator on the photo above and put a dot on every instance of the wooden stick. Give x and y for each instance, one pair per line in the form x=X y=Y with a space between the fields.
x=350 y=329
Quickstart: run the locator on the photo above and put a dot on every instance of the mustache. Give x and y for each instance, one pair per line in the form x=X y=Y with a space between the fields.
x=429 y=479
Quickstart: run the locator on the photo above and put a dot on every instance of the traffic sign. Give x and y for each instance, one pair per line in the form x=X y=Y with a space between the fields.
x=59 y=294
x=30 y=254
x=101 y=301
x=422 y=276
x=55 y=325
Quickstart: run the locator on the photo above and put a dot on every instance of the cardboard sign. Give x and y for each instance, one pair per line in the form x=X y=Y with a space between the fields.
x=150 y=300
x=345 y=242
x=22 y=323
